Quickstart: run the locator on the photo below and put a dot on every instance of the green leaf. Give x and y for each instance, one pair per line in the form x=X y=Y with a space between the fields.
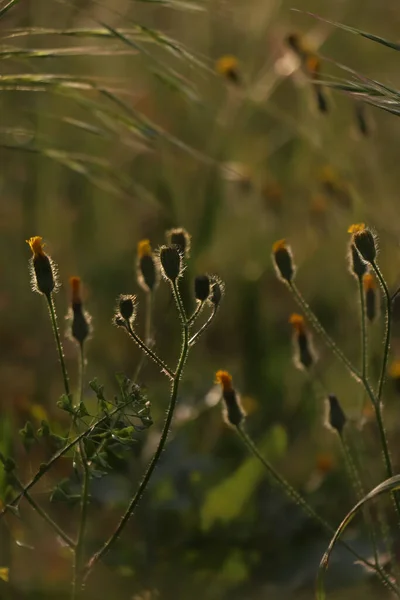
x=228 y=499
x=389 y=485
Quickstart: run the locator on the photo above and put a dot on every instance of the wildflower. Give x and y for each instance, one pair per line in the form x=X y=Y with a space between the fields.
x=364 y=241
x=202 y=287
x=171 y=262
x=369 y=284
x=304 y=356
x=43 y=270
x=228 y=66
x=79 y=318
x=126 y=309
x=335 y=417
x=180 y=238
x=217 y=291
x=283 y=261
x=357 y=266
x=147 y=272
x=233 y=411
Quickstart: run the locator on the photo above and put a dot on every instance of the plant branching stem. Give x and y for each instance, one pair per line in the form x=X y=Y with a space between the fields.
x=149 y=352
x=300 y=501
x=202 y=329
x=53 y=317
x=163 y=439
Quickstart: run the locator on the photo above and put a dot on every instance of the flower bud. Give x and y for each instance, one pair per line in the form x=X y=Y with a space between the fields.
x=217 y=291
x=202 y=287
x=335 y=419
x=147 y=272
x=364 y=241
x=357 y=265
x=127 y=307
x=180 y=238
x=304 y=356
x=233 y=411
x=228 y=66
x=369 y=284
x=79 y=318
x=171 y=262
x=283 y=261
x=43 y=270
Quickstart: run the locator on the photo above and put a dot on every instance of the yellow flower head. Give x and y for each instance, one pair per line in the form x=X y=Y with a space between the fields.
x=313 y=64
x=228 y=66
x=394 y=370
x=225 y=380
x=279 y=245
x=144 y=248
x=298 y=322
x=369 y=282
x=356 y=228
x=36 y=245
x=325 y=463
x=75 y=283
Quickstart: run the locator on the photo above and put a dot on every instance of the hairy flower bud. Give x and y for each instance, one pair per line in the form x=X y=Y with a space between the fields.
x=43 y=270
x=283 y=261
x=233 y=411
x=364 y=241
x=335 y=418
x=202 y=287
x=357 y=265
x=126 y=308
x=180 y=238
x=147 y=272
x=171 y=262
x=79 y=318
x=304 y=355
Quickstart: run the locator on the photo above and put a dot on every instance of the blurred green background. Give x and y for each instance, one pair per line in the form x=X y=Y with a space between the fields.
x=108 y=137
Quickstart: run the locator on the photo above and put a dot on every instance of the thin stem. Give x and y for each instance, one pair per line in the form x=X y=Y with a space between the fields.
x=147 y=332
x=163 y=439
x=53 y=317
x=45 y=467
x=298 y=499
x=388 y=329
x=149 y=352
x=318 y=327
x=79 y=549
x=359 y=493
x=45 y=516
x=202 y=329
x=199 y=308
x=364 y=341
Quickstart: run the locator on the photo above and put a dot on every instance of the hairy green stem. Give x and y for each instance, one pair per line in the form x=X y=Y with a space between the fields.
x=319 y=329
x=387 y=332
x=53 y=317
x=147 y=332
x=202 y=329
x=300 y=501
x=199 y=308
x=149 y=352
x=163 y=439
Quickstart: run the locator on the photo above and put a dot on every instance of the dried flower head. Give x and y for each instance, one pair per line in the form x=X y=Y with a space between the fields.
x=304 y=354
x=283 y=261
x=202 y=287
x=180 y=238
x=228 y=66
x=43 y=269
x=357 y=265
x=80 y=320
x=335 y=417
x=147 y=270
x=170 y=262
x=233 y=410
x=364 y=241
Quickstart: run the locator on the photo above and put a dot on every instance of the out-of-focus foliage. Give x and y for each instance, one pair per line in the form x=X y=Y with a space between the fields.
x=115 y=125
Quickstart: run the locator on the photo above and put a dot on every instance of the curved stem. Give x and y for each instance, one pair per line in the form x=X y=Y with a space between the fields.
x=163 y=439
x=53 y=317
x=298 y=499
x=79 y=549
x=388 y=329
x=196 y=313
x=149 y=352
x=318 y=327
x=202 y=329
x=147 y=332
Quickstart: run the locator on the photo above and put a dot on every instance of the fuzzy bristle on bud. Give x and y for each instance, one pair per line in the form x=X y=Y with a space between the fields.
x=180 y=238
x=79 y=318
x=364 y=241
x=126 y=308
x=233 y=411
x=357 y=265
x=283 y=261
x=335 y=417
x=170 y=262
x=217 y=291
x=147 y=272
x=202 y=287
x=304 y=355
x=43 y=270
x=369 y=284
